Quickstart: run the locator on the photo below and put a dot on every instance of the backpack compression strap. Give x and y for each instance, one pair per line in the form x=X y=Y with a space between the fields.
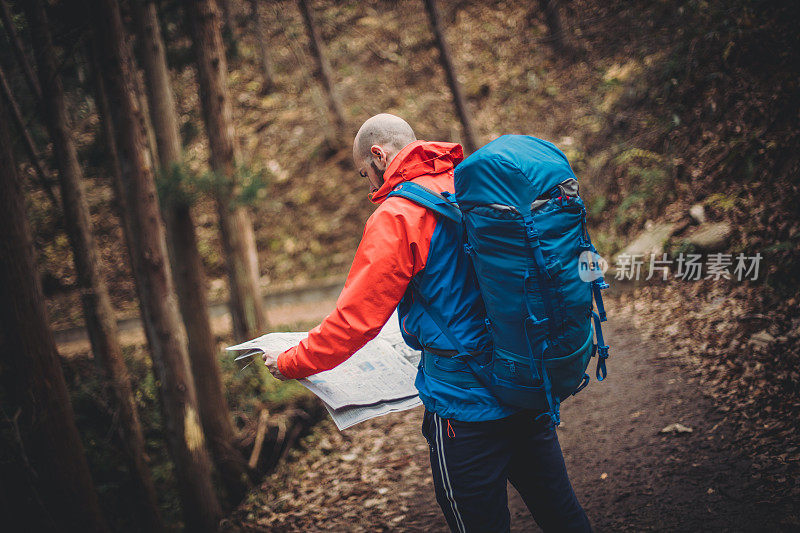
x=600 y=316
x=427 y=198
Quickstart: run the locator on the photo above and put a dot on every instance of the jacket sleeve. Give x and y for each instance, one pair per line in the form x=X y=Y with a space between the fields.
x=393 y=248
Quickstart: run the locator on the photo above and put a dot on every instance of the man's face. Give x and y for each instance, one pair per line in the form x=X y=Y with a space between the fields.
x=373 y=174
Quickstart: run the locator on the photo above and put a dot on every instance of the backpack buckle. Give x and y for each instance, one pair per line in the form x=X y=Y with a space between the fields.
x=583 y=384
x=602 y=355
x=530 y=229
x=534 y=322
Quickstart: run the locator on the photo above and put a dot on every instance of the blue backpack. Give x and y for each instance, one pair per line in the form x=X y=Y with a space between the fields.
x=536 y=267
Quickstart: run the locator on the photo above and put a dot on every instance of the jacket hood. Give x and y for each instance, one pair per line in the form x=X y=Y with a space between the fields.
x=417 y=159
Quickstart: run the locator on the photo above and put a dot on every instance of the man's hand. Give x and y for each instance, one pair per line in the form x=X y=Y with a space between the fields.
x=271 y=361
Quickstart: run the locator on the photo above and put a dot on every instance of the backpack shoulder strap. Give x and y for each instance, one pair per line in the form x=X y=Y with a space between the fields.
x=427 y=198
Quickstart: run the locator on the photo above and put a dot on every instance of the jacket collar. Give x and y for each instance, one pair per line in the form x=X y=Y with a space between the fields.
x=417 y=159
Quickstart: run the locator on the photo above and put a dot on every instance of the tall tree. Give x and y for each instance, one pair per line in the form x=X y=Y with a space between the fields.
x=227 y=14
x=184 y=255
x=229 y=28
x=238 y=239
x=27 y=140
x=149 y=130
x=19 y=50
x=470 y=137
x=95 y=300
x=553 y=20
x=34 y=392
x=106 y=133
x=147 y=243
x=323 y=69
x=267 y=72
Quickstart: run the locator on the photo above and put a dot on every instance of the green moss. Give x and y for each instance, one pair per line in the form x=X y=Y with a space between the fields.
x=726 y=203
x=597 y=205
x=646 y=175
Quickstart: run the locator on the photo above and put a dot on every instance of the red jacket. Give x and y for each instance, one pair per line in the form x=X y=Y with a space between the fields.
x=393 y=248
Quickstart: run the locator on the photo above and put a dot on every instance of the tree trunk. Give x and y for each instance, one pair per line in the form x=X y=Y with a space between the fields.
x=106 y=133
x=227 y=14
x=35 y=395
x=238 y=239
x=36 y=162
x=95 y=300
x=553 y=20
x=19 y=51
x=267 y=72
x=149 y=130
x=159 y=308
x=161 y=103
x=470 y=138
x=323 y=70
x=186 y=262
x=228 y=31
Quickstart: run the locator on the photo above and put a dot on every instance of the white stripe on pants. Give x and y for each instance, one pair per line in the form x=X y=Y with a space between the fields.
x=448 y=488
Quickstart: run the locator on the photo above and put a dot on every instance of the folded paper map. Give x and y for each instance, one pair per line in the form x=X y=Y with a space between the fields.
x=378 y=379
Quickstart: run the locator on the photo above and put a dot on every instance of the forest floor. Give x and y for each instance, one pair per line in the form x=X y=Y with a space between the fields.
x=628 y=474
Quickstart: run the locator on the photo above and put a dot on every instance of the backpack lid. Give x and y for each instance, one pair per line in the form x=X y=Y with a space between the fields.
x=511 y=170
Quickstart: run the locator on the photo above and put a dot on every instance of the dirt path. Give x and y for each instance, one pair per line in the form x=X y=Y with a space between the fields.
x=628 y=475
x=76 y=341
x=284 y=305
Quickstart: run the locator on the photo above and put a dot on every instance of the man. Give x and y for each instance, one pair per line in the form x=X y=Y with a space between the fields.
x=408 y=253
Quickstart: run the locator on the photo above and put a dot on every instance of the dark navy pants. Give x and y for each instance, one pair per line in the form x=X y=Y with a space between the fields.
x=471 y=462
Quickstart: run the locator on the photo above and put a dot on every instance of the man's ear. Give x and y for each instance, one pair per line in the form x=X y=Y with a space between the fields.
x=379 y=154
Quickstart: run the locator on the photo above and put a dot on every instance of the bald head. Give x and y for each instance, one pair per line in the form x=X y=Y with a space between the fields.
x=389 y=132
